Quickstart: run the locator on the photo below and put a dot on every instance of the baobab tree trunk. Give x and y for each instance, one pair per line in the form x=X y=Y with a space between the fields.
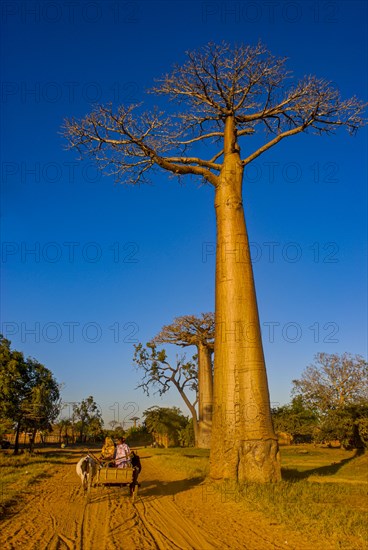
x=244 y=446
x=193 y=412
x=205 y=396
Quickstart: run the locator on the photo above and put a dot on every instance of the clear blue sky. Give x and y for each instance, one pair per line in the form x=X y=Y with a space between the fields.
x=112 y=264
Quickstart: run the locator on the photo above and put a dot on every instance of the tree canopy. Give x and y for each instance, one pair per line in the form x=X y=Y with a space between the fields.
x=333 y=381
x=335 y=390
x=295 y=419
x=188 y=330
x=216 y=82
x=165 y=424
x=87 y=419
x=29 y=393
x=160 y=374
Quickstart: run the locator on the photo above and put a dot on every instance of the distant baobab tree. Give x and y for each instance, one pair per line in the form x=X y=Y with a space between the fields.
x=198 y=331
x=224 y=95
x=160 y=374
x=134 y=419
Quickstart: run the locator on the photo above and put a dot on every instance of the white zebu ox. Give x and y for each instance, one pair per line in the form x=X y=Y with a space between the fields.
x=87 y=470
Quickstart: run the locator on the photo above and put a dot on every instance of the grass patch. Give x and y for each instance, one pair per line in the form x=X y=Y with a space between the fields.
x=20 y=472
x=355 y=471
x=188 y=461
x=336 y=511
x=306 y=501
x=309 y=457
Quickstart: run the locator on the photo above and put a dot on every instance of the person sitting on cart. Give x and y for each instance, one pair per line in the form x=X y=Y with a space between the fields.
x=122 y=454
x=107 y=455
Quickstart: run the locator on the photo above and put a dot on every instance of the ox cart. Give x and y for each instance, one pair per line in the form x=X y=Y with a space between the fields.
x=118 y=476
x=108 y=474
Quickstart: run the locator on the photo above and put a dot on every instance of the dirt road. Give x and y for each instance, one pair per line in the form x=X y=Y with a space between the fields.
x=170 y=513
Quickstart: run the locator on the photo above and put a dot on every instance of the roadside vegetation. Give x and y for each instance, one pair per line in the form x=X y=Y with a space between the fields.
x=20 y=473
x=323 y=491
x=191 y=462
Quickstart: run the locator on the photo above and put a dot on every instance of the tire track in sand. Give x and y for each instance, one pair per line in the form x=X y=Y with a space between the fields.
x=171 y=512
x=169 y=528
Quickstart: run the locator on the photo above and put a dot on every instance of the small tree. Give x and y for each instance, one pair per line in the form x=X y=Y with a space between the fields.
x=186 y=435
x=6 y=426
x=346 y=424
x=113 y=424
x=87 y=418
x=63 y=426
x=333 y=382
x=165 y=424
x=336 y=388
x=42 y=405
x=198 y=331
x=296 y=419
x=161 y=375
x=138 y=436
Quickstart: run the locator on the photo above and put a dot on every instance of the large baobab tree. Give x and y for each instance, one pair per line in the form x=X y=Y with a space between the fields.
x=198 y=331
x=224 y=95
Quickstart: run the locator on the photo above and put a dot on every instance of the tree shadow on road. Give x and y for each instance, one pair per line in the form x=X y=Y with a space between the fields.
x=157 y=487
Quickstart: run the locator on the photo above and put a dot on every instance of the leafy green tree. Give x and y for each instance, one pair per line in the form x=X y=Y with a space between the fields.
x=42 y=405
x=138 y=435
x=29 y=394
x=347 y=424
x=87 y=419
x=295 y=419
x=363 y=429
x=6 y=426
x=63 y=426
x=336 y=388
x=333 y=382
x=165 y=424
x=186 y=435
x=94 y=431
x=13 y=386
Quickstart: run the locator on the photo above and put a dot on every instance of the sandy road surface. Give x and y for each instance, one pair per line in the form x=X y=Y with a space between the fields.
x=170 y=513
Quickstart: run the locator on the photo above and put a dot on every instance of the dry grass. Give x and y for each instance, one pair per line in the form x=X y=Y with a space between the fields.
x=323 y=492
x=191 y=462
x=19 y=473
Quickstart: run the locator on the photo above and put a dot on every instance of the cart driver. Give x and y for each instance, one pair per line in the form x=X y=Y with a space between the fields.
x=122 y=455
